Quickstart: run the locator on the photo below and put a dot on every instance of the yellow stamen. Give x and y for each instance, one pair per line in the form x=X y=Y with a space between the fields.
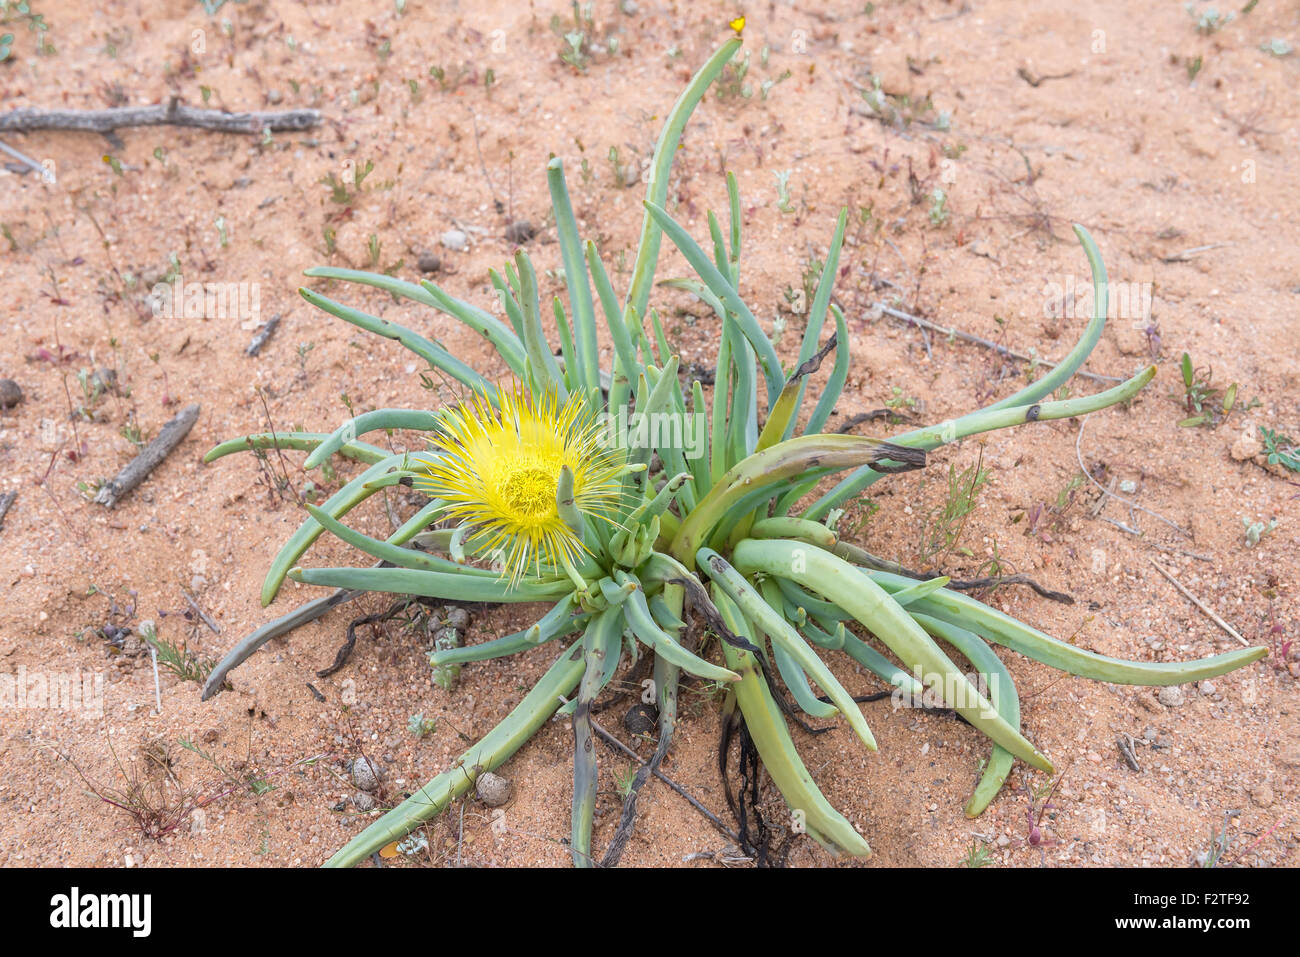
x=498 y=470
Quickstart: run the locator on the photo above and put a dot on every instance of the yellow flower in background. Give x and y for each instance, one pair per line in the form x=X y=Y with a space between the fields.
x=498 y=469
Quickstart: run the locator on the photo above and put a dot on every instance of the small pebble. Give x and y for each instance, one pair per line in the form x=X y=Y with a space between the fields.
x=1128 y=486
x=274 y=96
x=10 y=394
x=363 y=801
x=1172 y=696
x=456 y=617
x=641 y=719
x=455 y=240
x=429 y=262
x=520 y=231
x=365 y=773
x=1208 y=688
x=492 y=789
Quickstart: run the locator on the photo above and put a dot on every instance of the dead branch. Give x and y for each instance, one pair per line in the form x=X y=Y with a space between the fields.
x=263 y=334
x=138 y=469
x=170 y=114
x=953 y=333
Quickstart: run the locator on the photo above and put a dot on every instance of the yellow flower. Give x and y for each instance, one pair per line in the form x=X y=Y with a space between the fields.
x=498 y=470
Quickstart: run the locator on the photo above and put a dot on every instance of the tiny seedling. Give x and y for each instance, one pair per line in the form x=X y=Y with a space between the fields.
x=304 y=350
x=132 y=432
x=1257 y=530
x=576 y=47
x=1209 y=20
x=938 y=207
x=92 y=390
x=420 y=726
x=1205 y=403
x=624 y=173
x=179 y=660
x=341 y=191
x=979 y=855
x=731 y=84
x=623 y=781
x=1219 y=843
x=902 y=111
x=945 y=522
x=783 y=190
x=1280 y=449
x=1047 y=517
x=898 y=399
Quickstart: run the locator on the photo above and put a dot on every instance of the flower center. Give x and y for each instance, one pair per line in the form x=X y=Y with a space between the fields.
x=529 y=491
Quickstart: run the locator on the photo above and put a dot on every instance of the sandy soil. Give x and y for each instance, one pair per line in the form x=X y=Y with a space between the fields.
x=1038 y=116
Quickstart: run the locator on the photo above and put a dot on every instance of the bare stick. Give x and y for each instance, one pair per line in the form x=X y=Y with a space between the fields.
x=201 y=613
x=1178 y=551
x=263 y=334
x=1125 y=744
x=138 y=469
x=1199 y=604
x=976 y=340
x=6 y=501
x=1187 y=254
x=171 y=114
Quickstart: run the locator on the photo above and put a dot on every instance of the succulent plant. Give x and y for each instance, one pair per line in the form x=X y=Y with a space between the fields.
x=627 y=540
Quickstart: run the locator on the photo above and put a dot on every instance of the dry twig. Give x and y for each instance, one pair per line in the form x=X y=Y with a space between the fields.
x=138 y=469
x=954 y=333
x=173 y=113
x=1199 y=604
